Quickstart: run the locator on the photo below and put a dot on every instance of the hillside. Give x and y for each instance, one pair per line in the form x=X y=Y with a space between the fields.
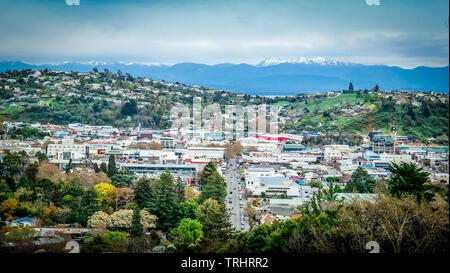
x=418 y=116
x=105 y=98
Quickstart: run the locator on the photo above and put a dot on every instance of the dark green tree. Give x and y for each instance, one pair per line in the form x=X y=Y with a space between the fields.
x=112 y=169
x=142 y=193
x=136 y=226
x=407 y=178
x=104 y=167
x=68 y=167
x=41 y=156
x=207 y=171
x=214 y=187
x=89 y=205
x=120 y=180
x=213 y=216
x=164 y=201
x=362 y=180
x=350 y=87
x=129 y=108
x=180 y=190
x=350 y=187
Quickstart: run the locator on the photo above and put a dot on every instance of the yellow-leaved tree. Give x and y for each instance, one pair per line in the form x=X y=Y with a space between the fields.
x=105 y=192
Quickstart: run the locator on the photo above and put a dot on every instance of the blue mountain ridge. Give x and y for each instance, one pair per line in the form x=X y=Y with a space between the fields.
x=280 y=79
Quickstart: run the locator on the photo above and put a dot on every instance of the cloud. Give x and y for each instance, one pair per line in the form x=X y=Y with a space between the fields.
x=226 y=31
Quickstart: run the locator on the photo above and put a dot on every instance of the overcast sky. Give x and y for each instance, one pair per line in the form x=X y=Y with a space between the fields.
x=406 y=33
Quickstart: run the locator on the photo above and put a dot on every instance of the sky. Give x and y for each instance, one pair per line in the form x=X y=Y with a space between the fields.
x=405 y=33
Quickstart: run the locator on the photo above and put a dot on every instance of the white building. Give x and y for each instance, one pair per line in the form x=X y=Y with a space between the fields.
x=252 y=174
x=67 y=150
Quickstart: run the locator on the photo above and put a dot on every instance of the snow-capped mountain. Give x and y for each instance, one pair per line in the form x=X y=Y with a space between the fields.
x=300 y=60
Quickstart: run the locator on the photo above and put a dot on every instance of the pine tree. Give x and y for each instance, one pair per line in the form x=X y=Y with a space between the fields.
x=112 y=170
x=207 y=171
x=350 y=87
x=164 y=201
x=364 y=183
x=215 y=188
x=136 y=226
x=142 y=193
x=376 y=88
x=104 y=167
x=68 y=166
x=180 y=190
x=213 y=216
x=89 y=205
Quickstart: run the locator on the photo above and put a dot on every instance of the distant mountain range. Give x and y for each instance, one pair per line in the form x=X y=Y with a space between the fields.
x=273 y=76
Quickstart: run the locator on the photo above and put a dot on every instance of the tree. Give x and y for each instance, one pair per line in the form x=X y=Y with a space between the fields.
x=129 y=108
x=187 y=209
x=105 y=192
x=112 y=169
x=104 y=167
x=214 y=187
x=362 y=180
x=121 y=197
x=164 y=201
x=350 y=187
x=376 y=88
x=207 y=171
x=189 y=194
x=89 y=205
x=41 y=156
x=122 y=219
x=142 y=193
x=213 y=216
x=12 y=166
x=8 y=207
x=68 y=167
x=180 y=190
x=350 y=87
x=315 y=184
x=136 y=226
x=407 y=178
x=187 y=233
x=120 y=180
x=99 y=220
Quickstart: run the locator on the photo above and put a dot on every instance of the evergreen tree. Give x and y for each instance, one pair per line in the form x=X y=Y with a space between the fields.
x=136 y=226
x=207 y=171
x=112 y=169
x=364 y=183
x=350 y=87
x=164 y=201
x=142 y=193
x=213 y=216
x=215 y=188
x=89 y=205
x=376 y=88
x=407 y=178
x=180 y=190
x=104 y=167
x=68 y=166
x=350 y=187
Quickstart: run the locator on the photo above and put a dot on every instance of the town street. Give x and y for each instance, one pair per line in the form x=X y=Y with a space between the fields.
x=234 y=204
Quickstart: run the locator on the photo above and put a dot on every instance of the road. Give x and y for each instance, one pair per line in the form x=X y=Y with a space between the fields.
x=234 y=205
